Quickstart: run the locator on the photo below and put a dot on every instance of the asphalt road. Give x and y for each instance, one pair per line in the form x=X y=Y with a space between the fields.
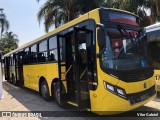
x=22 y=99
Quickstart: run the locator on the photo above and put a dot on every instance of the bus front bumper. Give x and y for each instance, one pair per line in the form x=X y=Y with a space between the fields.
x=119 y=105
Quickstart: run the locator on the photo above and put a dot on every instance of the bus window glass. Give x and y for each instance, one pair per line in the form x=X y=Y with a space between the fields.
x=154 y=47
x=42 y=55
x=52 y=42
x=53 y=56
x=119 y=17
x=33 y=57
x=43 y=46
x=26 y=56
x=124 y=52
x=62 y=50
x=33 y=49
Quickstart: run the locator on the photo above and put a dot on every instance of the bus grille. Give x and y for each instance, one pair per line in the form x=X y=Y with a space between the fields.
x=141 y=96
x=133 y=75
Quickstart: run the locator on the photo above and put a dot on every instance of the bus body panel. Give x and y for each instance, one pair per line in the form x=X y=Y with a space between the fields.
x=33 y=73
x=119 y=105
x=101 y=95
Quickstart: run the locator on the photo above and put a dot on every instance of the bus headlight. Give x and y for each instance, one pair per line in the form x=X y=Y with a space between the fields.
x=114 y=89
x=108 y=86
x=121 y=92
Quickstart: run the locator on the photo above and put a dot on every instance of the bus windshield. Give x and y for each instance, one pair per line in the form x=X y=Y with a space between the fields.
x=127 y=50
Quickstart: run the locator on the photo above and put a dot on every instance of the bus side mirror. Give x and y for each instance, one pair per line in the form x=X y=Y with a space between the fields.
x=101 y=36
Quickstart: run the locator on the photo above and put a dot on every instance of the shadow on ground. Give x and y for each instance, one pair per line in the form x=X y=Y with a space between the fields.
x=32 y=101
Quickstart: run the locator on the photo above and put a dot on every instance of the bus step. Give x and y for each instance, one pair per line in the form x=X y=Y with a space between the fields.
x=72 y=103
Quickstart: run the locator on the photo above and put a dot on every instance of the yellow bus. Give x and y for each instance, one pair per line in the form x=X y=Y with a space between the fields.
x=97 y=62
x=153 y=35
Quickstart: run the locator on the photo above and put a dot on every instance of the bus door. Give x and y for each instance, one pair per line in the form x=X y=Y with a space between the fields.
x=83 y=41
x=19 y=68
x=78 y=65
x=7 y=68
x=16 y=68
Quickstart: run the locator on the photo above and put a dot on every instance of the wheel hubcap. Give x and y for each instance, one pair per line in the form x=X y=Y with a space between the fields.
x=58 y=95
x=44 y=90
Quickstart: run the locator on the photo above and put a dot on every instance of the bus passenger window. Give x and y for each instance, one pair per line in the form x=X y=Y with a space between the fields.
x=26 y=56
x=33 y=57
x=53 y=49
x=52 y=42
x=53 y=55
x=42 y=55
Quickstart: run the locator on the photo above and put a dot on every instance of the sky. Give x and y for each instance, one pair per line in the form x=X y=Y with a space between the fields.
x=22 y=17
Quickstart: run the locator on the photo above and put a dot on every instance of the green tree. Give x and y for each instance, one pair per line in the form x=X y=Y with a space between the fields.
x=58 y=12
x=4 y=24
x=154 y=6
x=8 y=42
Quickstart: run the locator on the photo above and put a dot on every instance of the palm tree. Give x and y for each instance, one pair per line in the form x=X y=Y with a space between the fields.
x=8 y=42
x=4 y=24
x=58 y=12
x=154 y=6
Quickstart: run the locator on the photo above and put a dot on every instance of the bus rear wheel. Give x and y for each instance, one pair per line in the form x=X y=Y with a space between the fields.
x=45 y=91
x=59 y=99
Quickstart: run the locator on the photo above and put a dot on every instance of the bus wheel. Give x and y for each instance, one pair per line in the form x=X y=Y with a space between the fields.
x=56 y=91
x=45 y=91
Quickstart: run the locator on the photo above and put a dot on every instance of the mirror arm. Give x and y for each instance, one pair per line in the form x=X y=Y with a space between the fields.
x=100 y=25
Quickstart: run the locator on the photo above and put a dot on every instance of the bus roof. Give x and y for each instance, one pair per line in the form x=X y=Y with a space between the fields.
x=65 y=26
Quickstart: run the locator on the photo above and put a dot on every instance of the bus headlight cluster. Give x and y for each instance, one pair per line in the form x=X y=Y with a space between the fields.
x=114 y=89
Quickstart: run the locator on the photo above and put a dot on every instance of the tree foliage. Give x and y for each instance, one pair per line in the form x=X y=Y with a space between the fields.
x=8 y=42
x=4 y=24
x=58 y=12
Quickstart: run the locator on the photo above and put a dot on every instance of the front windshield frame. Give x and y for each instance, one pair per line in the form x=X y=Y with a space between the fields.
x=111 y=62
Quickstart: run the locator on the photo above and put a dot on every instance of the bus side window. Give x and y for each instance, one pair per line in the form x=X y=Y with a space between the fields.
x=53 y=49
x=42 y=55
x=33 y=57
x=26 y=56
x=53 y=55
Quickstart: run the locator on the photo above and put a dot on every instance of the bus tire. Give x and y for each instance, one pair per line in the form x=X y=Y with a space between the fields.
x=56 y=91
x=45 y=91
